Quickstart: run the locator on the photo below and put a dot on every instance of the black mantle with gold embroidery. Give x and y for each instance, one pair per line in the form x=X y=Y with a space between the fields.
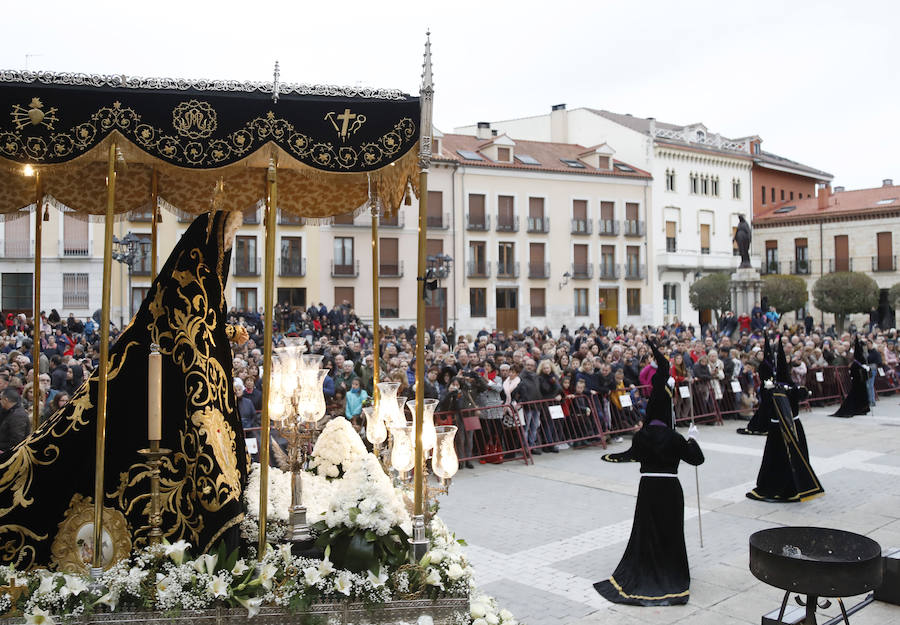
x=48 y=119
x=202 y=480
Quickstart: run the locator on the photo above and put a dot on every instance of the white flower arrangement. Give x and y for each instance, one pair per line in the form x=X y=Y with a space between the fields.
x=485 y=611
x=338 y=444
x=446 y=566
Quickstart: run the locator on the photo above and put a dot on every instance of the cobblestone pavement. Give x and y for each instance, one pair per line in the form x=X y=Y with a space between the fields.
x=541 y=535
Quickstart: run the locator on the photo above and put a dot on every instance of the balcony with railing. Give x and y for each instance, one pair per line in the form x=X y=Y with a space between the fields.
x=840 y=264
x=582 y=271
x=770 y=267
x=345 y=270
x=635 y=271
x=609 y=271
x=438 y=222
x=397 y=221
x=246 y=266
x=289 y=219
x=507 y=224
x=581 y=226
x=291 y=267
x=390 y=270
x=507 y=269
x=16 y=248
x=800 y=267
x=483 y=223
x=539 y=224
x=478 y=269
x=634 y=228
x=538 y=271
x=75 y=248
x=608 y=227
x=884 y=263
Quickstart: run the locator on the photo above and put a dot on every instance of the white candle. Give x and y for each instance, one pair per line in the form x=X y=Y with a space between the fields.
x=154 y=396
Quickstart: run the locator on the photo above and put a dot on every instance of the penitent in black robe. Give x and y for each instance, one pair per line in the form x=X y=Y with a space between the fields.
x=202 y=479
x=785 y=475
x=759 y=422
x=654 y=569
x=857 y=400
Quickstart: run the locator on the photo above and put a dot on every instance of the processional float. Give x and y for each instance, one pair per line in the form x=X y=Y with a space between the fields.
x=103 y=146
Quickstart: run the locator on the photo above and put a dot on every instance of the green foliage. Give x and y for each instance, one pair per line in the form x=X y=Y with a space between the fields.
x=711 y=292
x=361 y=550
x=845 y=293
x=785 y=293
x=894 y=296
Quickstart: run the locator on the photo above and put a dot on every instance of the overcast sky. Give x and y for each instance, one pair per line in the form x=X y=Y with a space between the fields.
x=818 y=80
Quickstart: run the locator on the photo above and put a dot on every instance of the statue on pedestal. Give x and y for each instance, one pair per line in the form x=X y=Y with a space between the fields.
x=743 y=237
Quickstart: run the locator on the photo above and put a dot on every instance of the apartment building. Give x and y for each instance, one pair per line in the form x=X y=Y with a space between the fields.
x=838 y=230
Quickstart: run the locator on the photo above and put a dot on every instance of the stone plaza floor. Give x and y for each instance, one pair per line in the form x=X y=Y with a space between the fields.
x=541 y=535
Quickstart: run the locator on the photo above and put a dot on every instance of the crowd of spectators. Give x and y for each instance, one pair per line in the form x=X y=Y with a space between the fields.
x=493 y=370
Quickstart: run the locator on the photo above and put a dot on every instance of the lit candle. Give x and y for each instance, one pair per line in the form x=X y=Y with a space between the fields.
x=154 y=395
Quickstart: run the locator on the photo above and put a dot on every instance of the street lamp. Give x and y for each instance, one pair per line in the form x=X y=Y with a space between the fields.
x=438 y=268
x=129 y=251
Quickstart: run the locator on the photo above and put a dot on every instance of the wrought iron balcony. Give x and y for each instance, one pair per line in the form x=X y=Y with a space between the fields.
x=289 y=219
x=800 y=267
x=884 y=263
x=538 y=271
x=247 y=266
x=12 y=248
x=479 y=224
x=480 y=269
x=390 y=270
x=397 y=221
x=635 y=271
x=608 y=227
x=438 y=222
x=840 y=264
x=582 y=271
x=634 y=228
x=609 y=271
x=539 y=224
x=72 y=249
x=291 y=267
x=507 y=269
x=345 y=270
x=581 y=226
x=770 y=267
x=505 y=224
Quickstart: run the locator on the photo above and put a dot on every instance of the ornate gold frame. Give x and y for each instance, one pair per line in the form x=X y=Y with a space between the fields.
x=66 y=552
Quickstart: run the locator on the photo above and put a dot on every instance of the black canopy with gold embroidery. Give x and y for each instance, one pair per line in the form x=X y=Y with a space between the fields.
x=327 y=141
x=202 y=479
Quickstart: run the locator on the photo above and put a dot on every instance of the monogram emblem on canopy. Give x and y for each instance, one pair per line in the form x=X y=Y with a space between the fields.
x=345 y=123
x=194 y=119
x=33 y=114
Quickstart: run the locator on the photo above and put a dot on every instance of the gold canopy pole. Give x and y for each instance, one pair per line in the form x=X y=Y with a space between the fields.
x=268 y=320
x=100 y=457
x=419 y=543
x=376 y=301
x=36 y=346
x=154 y=204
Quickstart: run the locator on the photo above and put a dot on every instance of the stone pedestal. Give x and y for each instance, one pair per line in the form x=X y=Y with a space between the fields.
x=746 y=290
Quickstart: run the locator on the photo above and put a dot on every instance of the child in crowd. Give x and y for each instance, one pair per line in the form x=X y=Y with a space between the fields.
x=353 y=403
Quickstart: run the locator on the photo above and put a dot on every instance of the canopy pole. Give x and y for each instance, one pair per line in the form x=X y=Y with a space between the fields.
x=36 y=346
x=419 y=542
x=100 y=457
x=154 y=203
x=268 y=320
x=376 y=306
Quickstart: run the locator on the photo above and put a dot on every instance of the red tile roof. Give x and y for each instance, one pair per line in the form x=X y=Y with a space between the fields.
x=841 y=205
x=546 y=153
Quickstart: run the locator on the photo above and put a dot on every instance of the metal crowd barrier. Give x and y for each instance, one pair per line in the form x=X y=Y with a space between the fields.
x=887 y=380
x=488 y=434
x=575 y=419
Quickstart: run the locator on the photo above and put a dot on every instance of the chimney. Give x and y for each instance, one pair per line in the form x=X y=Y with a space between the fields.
x=559 y=124
x=484 y=130
x=887 y=182
x=839 y=189
x=824 y=195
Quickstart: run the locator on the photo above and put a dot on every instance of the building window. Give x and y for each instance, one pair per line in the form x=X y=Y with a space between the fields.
x=143 y=256
x=579 y=216
x=842 y=253
x=634 y=301
x=343 y=255
x=885 y=259
x=477 y=302
x=503 y=155
x=343 y=220
x=581 y=303
x=506 y=213
x=801 y=257
x=292 y=256
x=389 y=302
x=608 y=262
x=138 y=294
x=704 y=185
x=246 y=299
x=245 y=259
x=670 y=299
x=782 y=195
x=773 y=195
x=704 y=238
x=695 y=184
x=477 y=259
x=670 y=237
x=538 y=303
x=506 y=263
x=633 y=262
x=771 y=257
x=476 y=219
x=75 y=235
x=389 y=257
x=16 y=289
x=715 y=186
x=735 y=189
x=345 y=295
x=251 y=215
x=792 y=196
x=764 y=195
x=670 y=180
x=435 y=216
x=75 y=290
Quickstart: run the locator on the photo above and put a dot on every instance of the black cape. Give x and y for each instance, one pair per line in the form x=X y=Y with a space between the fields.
x=857 y=400
x=654 y=569
x=202 y=479
x=785 y=474
x=759 y=422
